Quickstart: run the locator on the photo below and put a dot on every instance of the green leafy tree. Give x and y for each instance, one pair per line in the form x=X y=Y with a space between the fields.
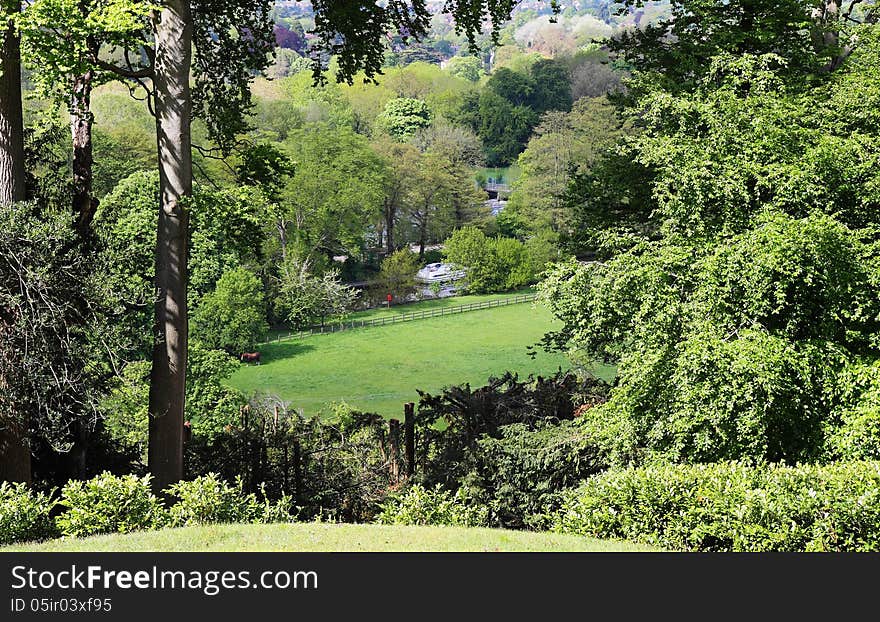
x=468 y=67
x=335 y=193
x=404 y=116
x=563 y=145
x=552 y=86
x=490 y=264
x=724 y=350
x=397 y=276
x=212 y=406
x=306 y=299
x=233 y=316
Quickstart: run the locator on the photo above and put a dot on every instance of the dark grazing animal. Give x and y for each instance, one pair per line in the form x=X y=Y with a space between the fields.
x=250 y=357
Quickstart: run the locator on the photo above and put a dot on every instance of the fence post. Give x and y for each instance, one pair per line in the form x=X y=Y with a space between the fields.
x=394 y=437
x=409 y=437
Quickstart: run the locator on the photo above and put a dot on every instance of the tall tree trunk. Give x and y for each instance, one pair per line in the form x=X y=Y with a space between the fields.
x=84 y=203
x=83 y=207
x=423 y=236
x=12 y=177
x=173 y=34
x=15 y=455
x=390 y=214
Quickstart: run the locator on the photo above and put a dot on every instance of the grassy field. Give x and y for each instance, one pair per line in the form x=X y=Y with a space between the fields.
x=329 y=537
x=415 y=307
x=378 y=369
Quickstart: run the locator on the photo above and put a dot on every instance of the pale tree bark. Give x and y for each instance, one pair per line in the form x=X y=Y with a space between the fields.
x=173 y=104
x=84 y=202
x=15 y=455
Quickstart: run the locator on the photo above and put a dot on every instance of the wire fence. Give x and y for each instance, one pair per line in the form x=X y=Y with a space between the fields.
x=402 y=317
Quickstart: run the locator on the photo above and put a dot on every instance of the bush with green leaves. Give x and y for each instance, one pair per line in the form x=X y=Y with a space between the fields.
x=233 y=316
x=209 y=499
x=422 y=506
x=731 y=507
x=333 y=466
x=404 y=116
x=25 y=515
x=109 y=504
x=729 y=350
x=491 y=264
x=519 y=473
x=211 y=405
x=853 y=431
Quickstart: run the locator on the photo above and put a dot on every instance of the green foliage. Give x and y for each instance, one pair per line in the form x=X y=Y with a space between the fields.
x=731 y=507
x=518 y=414
x=504 y=113
x=125 y=408
x=232 y=42
x=854 y=428
x=563 y=145
x=421 y=506
x=25 y=514
x=336 y=191
x=404 y=116
x=397 y=275
x=705 y=29
x=208 y=499
x=233 y=316
x=725 y=351
x=468 y=67
x=513 y=258
x=330 y=468
x=520 y=473
x=306 y=299
x=211 y=405
x=109 y=504
x=225 y=233
x=265 y=166
x=47 y=311
x=491 y=264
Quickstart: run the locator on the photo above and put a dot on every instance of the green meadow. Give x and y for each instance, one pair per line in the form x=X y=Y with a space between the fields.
x=380 y=368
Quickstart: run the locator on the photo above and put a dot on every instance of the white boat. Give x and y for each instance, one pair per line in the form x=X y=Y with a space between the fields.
x=439 y=273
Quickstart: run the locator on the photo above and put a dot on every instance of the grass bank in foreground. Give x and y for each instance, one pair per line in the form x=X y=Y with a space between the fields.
x=331 y=537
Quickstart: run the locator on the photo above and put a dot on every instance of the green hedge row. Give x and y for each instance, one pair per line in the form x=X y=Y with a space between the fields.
x=112 y=504
x=731 y=507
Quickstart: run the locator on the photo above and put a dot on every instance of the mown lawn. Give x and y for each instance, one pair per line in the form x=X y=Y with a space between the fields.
x=329 y=537
x=378 y=369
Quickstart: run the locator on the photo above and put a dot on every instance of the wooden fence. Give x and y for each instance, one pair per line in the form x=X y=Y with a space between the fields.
x=403 y=317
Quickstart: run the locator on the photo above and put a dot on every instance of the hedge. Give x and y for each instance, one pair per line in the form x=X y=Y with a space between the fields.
x=731 y=507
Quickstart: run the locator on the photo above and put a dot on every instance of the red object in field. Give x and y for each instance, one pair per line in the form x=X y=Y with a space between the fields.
x=389 y=297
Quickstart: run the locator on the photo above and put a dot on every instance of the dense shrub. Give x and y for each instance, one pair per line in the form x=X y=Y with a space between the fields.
x=731 y=507
x=519 y=474
x=209 y=499
x=24 y=514
x=729 y=351
x=333 y=467
x=452 y=424
x=233 y=316
x=421 y=506
x=854 y=429
x=109 y=504
x=492 y=264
